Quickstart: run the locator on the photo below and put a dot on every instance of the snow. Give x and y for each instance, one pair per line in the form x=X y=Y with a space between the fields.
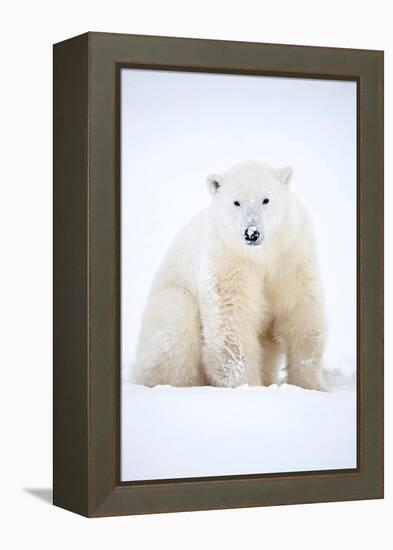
x=172 y=432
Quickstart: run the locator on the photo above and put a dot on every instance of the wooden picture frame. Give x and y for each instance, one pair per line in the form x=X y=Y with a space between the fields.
x=86 y=274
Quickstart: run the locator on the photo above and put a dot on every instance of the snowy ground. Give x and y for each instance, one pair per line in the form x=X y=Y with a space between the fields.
x=189 y=432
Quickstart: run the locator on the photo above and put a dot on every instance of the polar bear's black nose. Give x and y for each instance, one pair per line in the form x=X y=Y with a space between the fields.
x=251 y=234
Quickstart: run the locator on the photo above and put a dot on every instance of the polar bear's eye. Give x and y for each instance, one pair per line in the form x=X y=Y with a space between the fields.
x=265 y=201
x=236 y=203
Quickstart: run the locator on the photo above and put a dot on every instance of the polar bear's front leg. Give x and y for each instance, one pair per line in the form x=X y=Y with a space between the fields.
x=304 y=356
x=303 y=334
x=231 y=352
x=223 y=358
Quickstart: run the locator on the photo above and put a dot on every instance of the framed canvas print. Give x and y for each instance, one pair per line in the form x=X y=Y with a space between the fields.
x=218 y=274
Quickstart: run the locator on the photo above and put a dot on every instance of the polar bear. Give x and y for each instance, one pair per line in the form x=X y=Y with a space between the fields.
x=238 y=290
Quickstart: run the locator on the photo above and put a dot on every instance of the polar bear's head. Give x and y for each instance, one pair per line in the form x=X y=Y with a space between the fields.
x=250 y=202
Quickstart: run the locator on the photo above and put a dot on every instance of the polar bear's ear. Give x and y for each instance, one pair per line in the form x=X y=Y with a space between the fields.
x=284 y=175
x=214 y=182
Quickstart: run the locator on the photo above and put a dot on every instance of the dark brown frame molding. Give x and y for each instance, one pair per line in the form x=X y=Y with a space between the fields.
x=86 y=413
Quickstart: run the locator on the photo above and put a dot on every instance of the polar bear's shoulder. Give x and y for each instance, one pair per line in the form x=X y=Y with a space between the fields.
x=190 y=236
x=180 y=264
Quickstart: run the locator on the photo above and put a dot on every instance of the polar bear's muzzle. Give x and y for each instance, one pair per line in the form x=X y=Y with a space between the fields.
x=252 y=235
x=251 y=224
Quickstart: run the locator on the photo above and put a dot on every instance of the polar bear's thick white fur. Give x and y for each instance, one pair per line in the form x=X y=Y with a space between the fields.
x=238 y=289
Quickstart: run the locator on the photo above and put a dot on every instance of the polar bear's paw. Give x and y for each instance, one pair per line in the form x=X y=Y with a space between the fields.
x=231 y=374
